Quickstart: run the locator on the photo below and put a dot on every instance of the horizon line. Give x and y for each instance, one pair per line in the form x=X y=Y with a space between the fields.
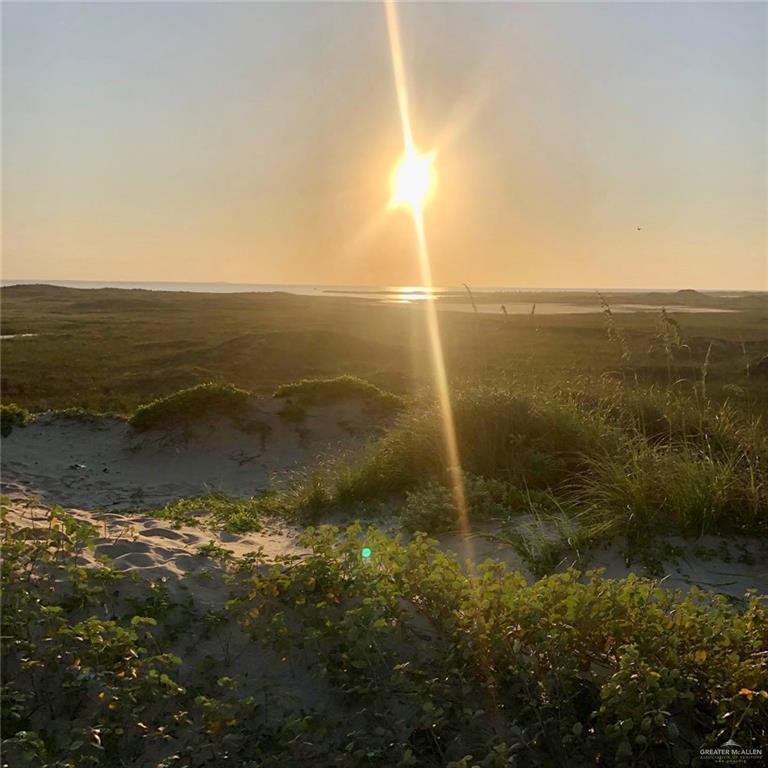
x=9 y=282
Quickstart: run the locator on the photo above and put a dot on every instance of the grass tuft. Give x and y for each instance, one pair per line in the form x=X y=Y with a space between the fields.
x=12 y=415
x=323 y=391
x=188 y=406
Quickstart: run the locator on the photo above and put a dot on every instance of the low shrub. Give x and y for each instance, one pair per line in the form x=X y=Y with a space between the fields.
x=188 y=406
x=442 y=668
x=321 y=391
x=12 y=415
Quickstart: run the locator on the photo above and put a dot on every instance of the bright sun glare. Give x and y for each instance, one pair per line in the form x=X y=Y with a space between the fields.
x=413 y=180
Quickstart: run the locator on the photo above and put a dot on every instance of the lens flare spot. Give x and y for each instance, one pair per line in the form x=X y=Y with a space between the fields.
x=366 y=552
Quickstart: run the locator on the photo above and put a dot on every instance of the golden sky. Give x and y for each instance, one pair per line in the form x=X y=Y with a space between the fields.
x=254 y=143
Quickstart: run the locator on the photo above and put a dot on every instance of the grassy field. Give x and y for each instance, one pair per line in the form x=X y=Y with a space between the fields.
x=112 y=350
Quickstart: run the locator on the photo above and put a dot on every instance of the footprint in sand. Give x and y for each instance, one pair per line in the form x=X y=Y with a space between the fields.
x=133 y=560
x=115 y=549
x=163 y=533
x=191 y=563
x=109 y=517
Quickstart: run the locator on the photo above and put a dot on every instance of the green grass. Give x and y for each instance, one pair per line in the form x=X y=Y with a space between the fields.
x=189 y=406
x=582 y=462
x=339 y=388
x=217 y=511
x=111 y=350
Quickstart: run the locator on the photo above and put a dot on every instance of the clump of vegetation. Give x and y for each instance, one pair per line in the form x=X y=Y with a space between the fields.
x=188 y=406
x=661 y=490
x=321 y=391
x=442 y=668
x=217 y=511
x=304 y=500
x=535 y=443
x=414 y=662
x=12 y=415
x=432 y=507
x=214 y=551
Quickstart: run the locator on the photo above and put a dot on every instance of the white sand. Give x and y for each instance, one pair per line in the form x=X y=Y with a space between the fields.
x=100 y=463
x=155 y=550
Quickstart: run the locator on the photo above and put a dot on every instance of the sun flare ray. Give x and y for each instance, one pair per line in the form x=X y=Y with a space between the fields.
x=413 y=181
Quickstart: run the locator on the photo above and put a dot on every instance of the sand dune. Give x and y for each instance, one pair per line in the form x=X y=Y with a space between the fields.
x=98 y=468
x=100 y=463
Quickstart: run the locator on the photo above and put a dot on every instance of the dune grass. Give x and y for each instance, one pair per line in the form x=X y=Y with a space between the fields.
x=584 y=464
x=184 y=408
x=338 y=388
x=12 y=415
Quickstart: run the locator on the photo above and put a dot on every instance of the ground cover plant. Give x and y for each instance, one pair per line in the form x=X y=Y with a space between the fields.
x=216 y=511
x=421 y=664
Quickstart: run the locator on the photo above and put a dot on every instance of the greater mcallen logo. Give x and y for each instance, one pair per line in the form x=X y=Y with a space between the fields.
x=731 y=753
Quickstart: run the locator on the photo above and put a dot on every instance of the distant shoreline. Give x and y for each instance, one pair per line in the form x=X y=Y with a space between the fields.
x=314 y=289
x=501 y=301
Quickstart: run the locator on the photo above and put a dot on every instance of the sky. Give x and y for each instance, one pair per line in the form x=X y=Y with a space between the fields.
x=612 y=145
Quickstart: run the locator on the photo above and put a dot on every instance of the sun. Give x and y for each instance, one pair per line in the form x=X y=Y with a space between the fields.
x=413 y=180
